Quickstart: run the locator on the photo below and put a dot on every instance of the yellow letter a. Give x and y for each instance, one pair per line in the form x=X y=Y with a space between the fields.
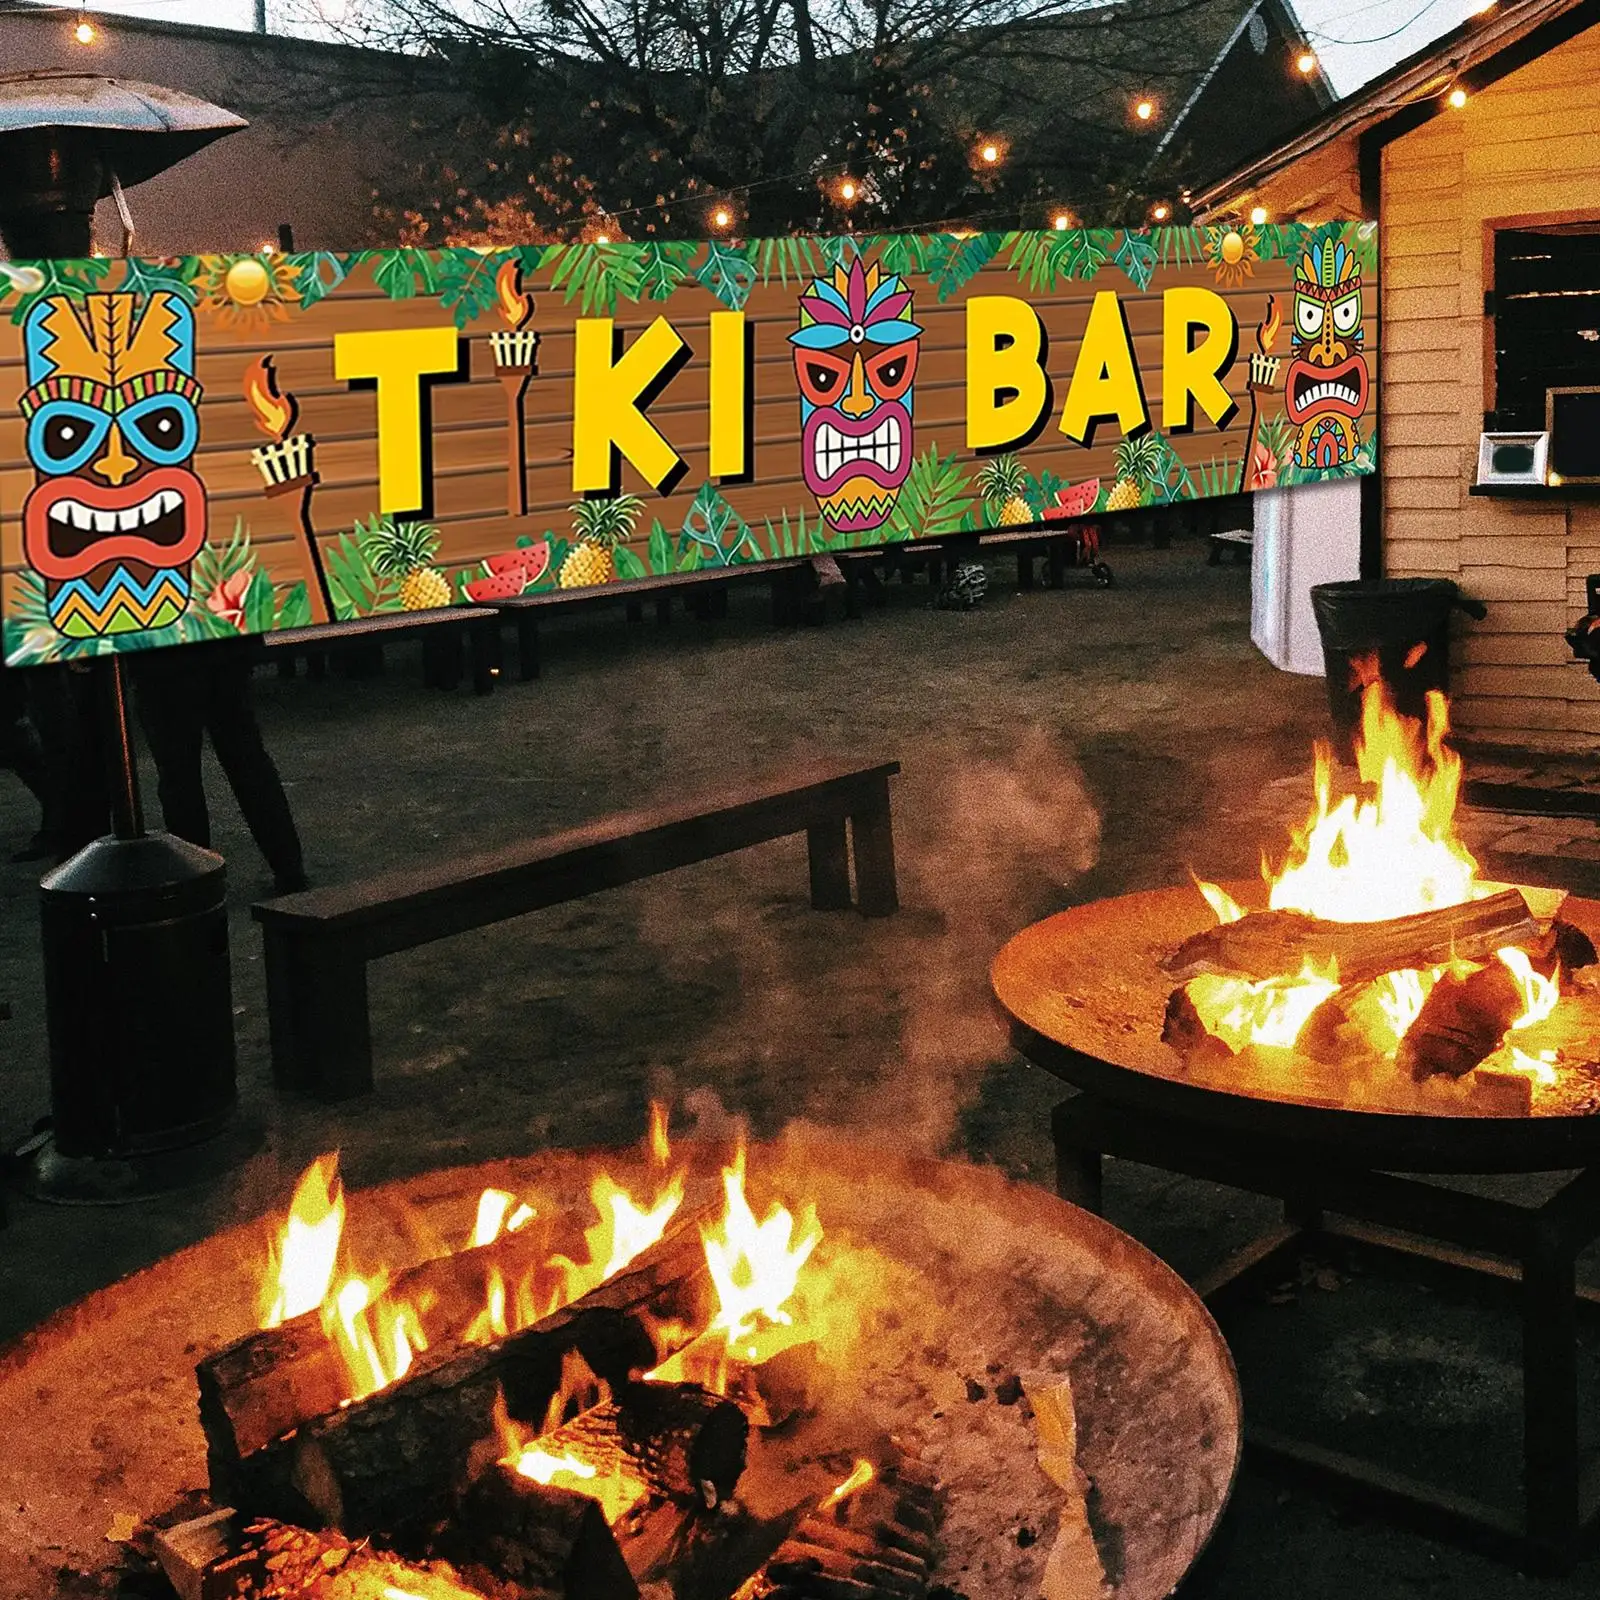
x=1105 y=380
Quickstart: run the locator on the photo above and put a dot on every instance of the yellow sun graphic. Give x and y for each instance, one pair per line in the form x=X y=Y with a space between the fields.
x=1231 y=253
x=246 y=291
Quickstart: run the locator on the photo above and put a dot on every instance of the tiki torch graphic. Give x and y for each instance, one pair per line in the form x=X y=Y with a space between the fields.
x=516 y=350
x=1263 y=380
x=286 y=464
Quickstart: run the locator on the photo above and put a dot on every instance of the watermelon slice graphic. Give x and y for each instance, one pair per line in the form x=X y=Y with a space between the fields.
x=1074 y=502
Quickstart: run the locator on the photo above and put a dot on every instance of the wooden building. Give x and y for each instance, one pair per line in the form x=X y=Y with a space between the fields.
x=1480 y=159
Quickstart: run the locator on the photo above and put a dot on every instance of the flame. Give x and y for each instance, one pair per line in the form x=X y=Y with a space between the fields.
x=493 y=1207
x=1271 y=1012
x=274 y=413
x=304 y=1257
x=1267 y=330
x=1393 y=853
x=623 y=1230
x=490 y=1323
x=616 y=1489
x=1540 y=1067
x=1539 y=993
x=516 y=304
x=1390 y=852
x=858 y=1479
x=660 y=1148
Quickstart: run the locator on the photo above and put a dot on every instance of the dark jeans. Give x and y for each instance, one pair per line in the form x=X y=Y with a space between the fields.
x=187 y=693
x=65 y=707
x=19 y=744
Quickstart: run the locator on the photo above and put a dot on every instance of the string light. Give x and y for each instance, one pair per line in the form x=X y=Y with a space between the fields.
x=1305 y=63
x=722 y=216
x=602 y=238
x=84 y=32
x=990 y=153
x=1458 y=97
x=1061 y=221
x=268 y=249
x=1161 y=211
x=847 y=190
x=1144 y=110
x=1258 y=215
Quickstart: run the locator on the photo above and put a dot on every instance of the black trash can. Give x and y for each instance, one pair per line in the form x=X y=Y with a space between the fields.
x=1405 y=623
x=138 y=997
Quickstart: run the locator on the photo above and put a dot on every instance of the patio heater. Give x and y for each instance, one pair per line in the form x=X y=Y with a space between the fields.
x=137 y=983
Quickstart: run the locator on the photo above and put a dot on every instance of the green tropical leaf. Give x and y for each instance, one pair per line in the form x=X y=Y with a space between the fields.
x=597 y=276
x=964 y=262
x=214 y=564
x=935 y=501
x=1044 y=261
x=356 y=588
x=317 y=273
x=1135 y=254
x=1182 y=246
x=71 y=279
x=840 y=249
x=403 y=274
x=727 y=273
x=294 y=609
x=721 y=535
x=690 y=560
x=467 y=282
x=151 y=277
x=662 y=267
x=907 y=254
x=788 y=257
x=260 y=605
x=629 y=566
x=660 y=548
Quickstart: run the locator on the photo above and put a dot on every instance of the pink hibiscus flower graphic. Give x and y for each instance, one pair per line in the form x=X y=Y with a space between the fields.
x=227 y=599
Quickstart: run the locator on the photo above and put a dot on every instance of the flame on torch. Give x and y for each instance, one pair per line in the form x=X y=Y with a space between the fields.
x=273 y=412
x=1267 y=331
x=516 y=304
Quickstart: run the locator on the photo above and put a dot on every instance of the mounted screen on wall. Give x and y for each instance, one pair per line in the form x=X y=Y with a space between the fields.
x=214 y=445
x=1573 y=423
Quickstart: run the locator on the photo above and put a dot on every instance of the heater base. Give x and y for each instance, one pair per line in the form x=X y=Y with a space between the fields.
x=56 y=1179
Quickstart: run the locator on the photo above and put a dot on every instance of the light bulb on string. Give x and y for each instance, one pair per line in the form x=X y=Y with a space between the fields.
x=1457 y=97
x=1258 y=215
x=847 y=190
x=1144 y=110
x=1061 y=221
x=722 y=216
x=1305 y=63
x=84 y=32
x=1160 y=211
x=990 y=153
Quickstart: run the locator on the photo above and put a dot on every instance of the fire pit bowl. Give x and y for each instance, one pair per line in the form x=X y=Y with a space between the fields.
x=993 y=1278
x=1083 y=995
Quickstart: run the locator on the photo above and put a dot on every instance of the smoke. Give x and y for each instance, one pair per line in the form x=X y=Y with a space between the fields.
x=881 y=1028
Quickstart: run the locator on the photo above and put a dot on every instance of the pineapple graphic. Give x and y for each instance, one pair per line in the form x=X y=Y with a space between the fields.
x=1001 y=483
x=600 y=526
x=1138 y=461
x=405 y=550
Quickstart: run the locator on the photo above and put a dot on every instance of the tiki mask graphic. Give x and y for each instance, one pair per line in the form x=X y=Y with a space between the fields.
x=116 y=514
x=855 y=356
x=1325 y=386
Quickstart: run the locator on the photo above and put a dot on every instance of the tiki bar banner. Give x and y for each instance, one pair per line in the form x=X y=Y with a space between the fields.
x=211 y=445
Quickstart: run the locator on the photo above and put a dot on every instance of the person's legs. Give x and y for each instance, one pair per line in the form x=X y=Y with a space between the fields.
x=236 y=737
x=63 y=708
x=172 y=710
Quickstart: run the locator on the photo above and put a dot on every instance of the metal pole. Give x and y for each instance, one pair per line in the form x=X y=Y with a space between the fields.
x=261 y=16
x=127 y=814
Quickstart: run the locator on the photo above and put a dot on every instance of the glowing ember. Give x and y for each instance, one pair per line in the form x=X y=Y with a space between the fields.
x=858 y=1479
x=616 y=1489
x=660 y=1149
x=493 y=1207
x=304 y=1259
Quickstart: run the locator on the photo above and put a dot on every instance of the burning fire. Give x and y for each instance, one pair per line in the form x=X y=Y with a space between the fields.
x=858 y=1479
x=1390 y=852
x=274 y=413
x=516 y=304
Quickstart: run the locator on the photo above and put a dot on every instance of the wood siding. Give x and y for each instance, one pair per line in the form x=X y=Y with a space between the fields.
x=1523 y=149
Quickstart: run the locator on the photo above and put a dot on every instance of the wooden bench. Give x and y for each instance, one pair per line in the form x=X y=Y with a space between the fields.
x=705 y=591
x=443 y=634
x=318 y=943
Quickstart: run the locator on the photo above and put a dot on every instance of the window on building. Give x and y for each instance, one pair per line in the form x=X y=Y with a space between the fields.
x=1546 y=310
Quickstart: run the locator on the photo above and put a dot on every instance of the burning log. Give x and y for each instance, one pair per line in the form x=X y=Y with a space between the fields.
x=544 y=1541
x=1278 y=944
x=872 y=1540
x=1461 y=1023
x=225 y=1556
x=1184 y=1029
x=398 y=1455
x=678 y=1438
x=787 y=1386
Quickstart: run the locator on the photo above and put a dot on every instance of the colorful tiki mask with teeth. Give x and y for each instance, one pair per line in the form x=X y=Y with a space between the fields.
x=1325 y=386
x=855 y=356
x=117 y=514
